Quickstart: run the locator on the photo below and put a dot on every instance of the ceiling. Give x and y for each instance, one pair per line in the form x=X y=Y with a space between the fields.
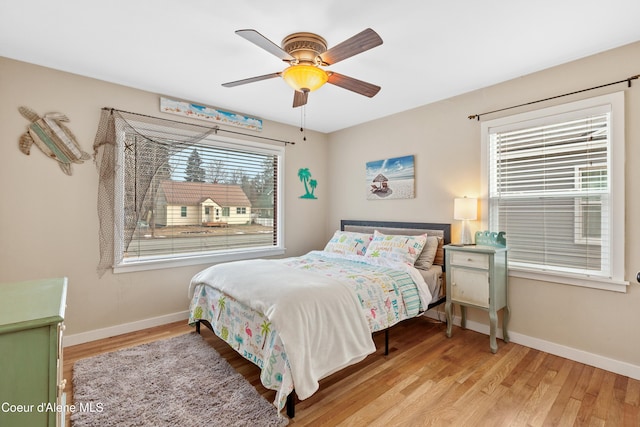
x=432 y=50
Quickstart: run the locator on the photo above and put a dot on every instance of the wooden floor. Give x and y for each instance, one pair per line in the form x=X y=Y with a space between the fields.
x=428 y=379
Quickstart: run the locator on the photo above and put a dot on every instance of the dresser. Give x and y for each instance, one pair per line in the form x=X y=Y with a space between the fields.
x=477 y=277
x=31 y=327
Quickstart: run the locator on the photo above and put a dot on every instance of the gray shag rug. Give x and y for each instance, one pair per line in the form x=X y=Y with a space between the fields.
x=180 y=381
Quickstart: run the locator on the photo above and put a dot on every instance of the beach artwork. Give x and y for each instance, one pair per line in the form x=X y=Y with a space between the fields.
x=209 y=114
x=392 y=178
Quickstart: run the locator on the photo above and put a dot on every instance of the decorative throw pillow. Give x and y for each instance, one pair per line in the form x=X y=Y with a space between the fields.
x=396 y=247
x=348 y=242
x=425 y=260
x=439 y=259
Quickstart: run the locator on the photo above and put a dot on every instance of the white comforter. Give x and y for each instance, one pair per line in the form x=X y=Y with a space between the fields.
x=319 y=319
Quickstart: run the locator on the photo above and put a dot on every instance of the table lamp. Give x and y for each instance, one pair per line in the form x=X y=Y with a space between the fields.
x=465 y=209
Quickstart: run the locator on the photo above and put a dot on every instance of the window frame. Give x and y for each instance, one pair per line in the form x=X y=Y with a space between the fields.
x=614 y=103
x=181 y=260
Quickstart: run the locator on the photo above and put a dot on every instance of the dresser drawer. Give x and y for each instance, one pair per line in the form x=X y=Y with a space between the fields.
x=31 y=323
x=469 y=259
x=60 y=381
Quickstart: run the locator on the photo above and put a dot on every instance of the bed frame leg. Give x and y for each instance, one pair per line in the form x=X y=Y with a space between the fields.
x=291 y=404
x=386 y=342
x=198 y=326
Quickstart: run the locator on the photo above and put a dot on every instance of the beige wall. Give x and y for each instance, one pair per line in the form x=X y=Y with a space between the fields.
x=48 y=220
x=446 y=146
x=49 y=227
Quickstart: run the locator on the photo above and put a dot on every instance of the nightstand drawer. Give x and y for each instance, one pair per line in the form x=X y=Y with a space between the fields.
x=470 y=287
x=470 y=259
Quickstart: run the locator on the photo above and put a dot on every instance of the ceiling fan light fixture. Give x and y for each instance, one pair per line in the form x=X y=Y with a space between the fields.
x=305 y=78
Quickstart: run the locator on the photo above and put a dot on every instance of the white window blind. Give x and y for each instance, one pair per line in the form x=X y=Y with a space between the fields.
x=550 y=188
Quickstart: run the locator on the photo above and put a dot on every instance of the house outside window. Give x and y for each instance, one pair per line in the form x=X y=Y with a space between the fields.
x=178 y=179
x=553 y=180
x=241 y=211
x=588 y=209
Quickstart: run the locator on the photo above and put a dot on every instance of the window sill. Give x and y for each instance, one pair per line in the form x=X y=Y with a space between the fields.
x=566 y=279
x=160 y=263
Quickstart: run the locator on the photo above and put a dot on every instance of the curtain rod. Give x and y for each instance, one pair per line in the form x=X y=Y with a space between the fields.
x=628 y=80
x=216 y=128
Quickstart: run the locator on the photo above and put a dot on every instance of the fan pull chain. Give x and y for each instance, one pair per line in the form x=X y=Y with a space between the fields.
x=303 y=122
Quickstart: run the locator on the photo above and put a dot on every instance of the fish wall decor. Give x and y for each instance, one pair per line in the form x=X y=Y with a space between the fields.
x=53 y=138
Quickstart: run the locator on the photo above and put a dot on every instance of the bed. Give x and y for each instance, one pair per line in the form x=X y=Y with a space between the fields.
x=300 y=319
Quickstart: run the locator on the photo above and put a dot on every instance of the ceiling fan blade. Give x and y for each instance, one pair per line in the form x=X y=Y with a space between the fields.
x=251 y=80
x=354 y=85
x=261 y=41
x=299 y=98
x=359 y=43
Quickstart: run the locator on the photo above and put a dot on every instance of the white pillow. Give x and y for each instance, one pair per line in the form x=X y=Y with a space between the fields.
x=396 y=247
x=348 y=242
x=425 y=260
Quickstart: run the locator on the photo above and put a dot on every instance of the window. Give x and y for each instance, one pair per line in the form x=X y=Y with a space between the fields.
x=241 y=211
x=553 y=180
x=171 y=182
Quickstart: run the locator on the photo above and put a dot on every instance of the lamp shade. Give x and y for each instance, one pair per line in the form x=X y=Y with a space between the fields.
x=305 y=78
x=465 y=208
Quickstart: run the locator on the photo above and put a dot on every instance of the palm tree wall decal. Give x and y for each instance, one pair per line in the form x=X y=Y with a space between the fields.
x=305 y=176
x=313 y=184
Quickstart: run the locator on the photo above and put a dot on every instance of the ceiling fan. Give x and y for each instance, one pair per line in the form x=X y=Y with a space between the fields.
x=306 y=54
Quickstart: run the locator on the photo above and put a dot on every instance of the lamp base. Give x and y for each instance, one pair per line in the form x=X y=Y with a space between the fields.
x=465 y=235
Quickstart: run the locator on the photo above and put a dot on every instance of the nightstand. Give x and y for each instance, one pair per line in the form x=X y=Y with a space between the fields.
x=477 y=277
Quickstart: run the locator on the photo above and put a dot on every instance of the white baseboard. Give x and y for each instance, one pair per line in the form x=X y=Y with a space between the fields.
x=125 y=328
x=591 y=359
x=602 y=362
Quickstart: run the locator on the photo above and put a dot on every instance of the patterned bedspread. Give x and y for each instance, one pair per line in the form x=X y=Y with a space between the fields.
x=387 y=294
